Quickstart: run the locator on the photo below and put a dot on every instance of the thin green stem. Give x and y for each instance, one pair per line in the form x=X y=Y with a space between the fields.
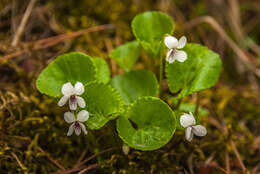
x=197 y=105
x=178 y=104
x=161 y=72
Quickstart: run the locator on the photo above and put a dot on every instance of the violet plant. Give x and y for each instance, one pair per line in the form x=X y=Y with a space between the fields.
x=144 y=120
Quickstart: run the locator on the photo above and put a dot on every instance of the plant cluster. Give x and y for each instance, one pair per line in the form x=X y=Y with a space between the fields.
x=144 y=120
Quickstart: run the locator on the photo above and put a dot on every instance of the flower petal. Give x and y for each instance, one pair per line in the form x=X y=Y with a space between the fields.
x=73 y=104
x=187 y=120
x=170 y=42
x=83 y=128
x=69 y=117
x=182 y=42
x=77 y=130
x=181 y=56
x=199 y=130
x=79 y=88
x=67 y=89
x=81 y=102
x=63 y=100
x=188 y=133
x=83 y=116
x=71 y=129
x=170 y=56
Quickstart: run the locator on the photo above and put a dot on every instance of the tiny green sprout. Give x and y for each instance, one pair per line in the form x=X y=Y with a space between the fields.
x=173 y=45
x=77 y=123
x=72 y=94
x=189 y=123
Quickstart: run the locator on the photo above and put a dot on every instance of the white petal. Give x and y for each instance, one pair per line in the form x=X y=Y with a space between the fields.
x=170 y=42
x=77 y=131
x=83 y=116
x=199 y=130
x=182 y=42
x=71 y=129
x=170 y=56
x=79 y=88
x=63 y=100
x=187 y=120
x=69 y=117
x=181 y=56
x=83 y=128
x=81 y=102
x=188 y=133
x=73 y=104
x=67 y=89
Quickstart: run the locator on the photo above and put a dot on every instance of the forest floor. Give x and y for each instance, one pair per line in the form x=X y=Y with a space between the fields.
x=32 y=130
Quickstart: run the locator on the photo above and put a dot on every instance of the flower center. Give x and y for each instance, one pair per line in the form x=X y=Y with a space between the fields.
x=77 y=125
x=173 y=52
x=73 y=99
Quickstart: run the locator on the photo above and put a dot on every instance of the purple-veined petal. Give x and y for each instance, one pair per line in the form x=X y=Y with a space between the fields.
x=83 y=128
x=71 y=129
x=73 y=104
x=170 y=42
x=79 y=88
x=182 y=42
x=81 y=102
x=199 y=130
x=170 y=56
x=187 y=120
x=69 y=117
x=67 y=89
x=188 y=133
x=63 y=100
x=83 y=116
x=181 y=56
x=77 y=130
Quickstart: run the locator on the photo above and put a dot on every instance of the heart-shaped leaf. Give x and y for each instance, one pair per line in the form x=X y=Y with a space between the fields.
x=126 y=55
x=200 y=71
x=71 y=67
x=103 y=71
x=149 y=29
x=148 y=124
x=103 y=103
x=135 y=84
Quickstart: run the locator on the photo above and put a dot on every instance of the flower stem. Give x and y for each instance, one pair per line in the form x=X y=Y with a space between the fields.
x=178 y=104
x=197 y=105
x=161 y=72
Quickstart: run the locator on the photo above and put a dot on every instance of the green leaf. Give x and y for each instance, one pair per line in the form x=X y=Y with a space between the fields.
x=71 y=67
x=103 y=71
x=149 y=29
x=126 y=55
x=135 y=84
x=103 y=103
x=148 y=124
x=200 y=71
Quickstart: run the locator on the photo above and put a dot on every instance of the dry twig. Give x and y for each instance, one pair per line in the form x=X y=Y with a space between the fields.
x=25 y=18
x=95 y=155
x=19 y=162
x=239 y=52
x=51 y=41
x=238 y=156
x=93 y=166
x=80 y=165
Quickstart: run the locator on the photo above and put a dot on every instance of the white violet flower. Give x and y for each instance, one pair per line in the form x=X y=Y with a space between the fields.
x=72 y=94
x=174 y=44
x=188 y=122
x=77 y=123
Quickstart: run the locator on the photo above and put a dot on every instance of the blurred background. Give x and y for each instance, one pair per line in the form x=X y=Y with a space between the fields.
x=32 y=130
